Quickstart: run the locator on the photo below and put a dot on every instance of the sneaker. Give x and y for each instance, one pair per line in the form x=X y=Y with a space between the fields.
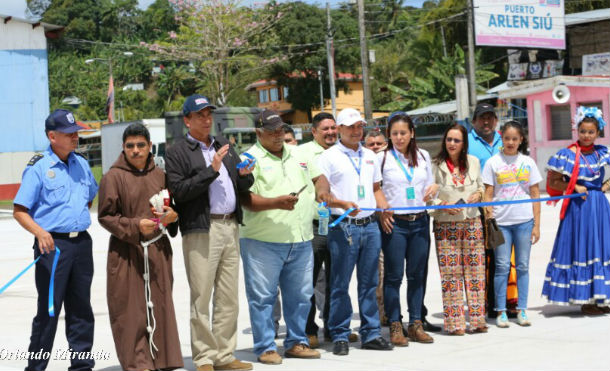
x=270 y=357
x=502 y=320
x=301 y=351
x=522 y=318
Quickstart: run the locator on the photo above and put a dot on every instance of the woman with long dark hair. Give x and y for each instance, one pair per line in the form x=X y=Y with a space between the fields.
x=512 y=175
x=579 y=270
x=459 y=233
x=407 y=181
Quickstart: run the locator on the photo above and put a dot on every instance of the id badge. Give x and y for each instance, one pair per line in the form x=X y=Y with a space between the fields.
x=360 y=192
x=410 y=193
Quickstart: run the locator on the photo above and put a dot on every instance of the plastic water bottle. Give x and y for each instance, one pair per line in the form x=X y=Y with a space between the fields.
x=324 y=215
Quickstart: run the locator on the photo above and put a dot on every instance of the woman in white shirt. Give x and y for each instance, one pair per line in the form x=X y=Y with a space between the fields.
x=407 y=181
x=512 y=175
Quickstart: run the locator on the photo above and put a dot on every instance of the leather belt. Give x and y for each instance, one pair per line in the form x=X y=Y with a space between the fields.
x=66 y=235
x=359 y=221
x=222 y=216
x=411 y=217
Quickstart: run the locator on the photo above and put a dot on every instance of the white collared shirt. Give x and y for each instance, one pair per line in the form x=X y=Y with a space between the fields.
x=395 y=182
x=344 y=180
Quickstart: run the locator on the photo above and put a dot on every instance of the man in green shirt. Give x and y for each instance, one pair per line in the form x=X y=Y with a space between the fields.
x=276 y=240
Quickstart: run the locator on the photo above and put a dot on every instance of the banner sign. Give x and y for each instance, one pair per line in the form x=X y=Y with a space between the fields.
x=520 y=23
x=596 y=64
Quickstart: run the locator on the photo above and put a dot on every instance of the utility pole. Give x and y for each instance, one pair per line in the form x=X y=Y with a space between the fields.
x=321 y=89
x=364 y=59
x=331 y=61
x=444 y=42
x=472 y=87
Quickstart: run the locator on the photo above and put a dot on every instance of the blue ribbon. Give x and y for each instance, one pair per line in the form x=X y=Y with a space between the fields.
x=52 y=283
x=19 y=275
x=249 y=162
x=460 y=206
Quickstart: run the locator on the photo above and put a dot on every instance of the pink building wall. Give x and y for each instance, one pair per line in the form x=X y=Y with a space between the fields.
x=539 y=119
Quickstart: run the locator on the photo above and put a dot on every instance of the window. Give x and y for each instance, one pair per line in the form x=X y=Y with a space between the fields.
x=285 y=92
x=262 y=96
x=274 y=94
x=561 y=122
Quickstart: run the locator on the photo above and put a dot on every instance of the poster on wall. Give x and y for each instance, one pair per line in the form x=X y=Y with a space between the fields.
x=596 y=64
x=520 y=23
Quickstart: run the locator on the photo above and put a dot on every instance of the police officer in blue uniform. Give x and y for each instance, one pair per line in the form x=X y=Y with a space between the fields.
x=53 y=204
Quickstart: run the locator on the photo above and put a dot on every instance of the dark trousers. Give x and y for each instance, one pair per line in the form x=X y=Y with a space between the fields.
x=321 y=255
x=408 y=243
x=73 y=276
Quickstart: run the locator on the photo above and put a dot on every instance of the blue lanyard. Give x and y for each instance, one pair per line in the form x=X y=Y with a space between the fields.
x=354 y=164
x=408 y=174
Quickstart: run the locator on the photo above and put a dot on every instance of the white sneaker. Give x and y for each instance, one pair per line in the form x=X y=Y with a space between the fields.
x=502 y=320
x=522 y=319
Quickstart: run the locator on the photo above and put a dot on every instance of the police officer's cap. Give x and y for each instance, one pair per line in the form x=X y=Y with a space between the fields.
x=63 y=121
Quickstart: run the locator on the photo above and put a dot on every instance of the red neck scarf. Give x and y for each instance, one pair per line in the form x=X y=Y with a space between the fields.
x=459 y=178
x=587 y=148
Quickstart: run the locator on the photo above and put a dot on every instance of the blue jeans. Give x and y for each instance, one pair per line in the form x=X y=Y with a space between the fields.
x=269 y=265
x=354 y=246
x=519 y=235
x=410 y=241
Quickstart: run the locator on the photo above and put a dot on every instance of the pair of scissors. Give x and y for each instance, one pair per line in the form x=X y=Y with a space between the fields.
x=296 y=194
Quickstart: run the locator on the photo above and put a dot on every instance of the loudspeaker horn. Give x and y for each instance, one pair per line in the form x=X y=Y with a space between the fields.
x=561 y=94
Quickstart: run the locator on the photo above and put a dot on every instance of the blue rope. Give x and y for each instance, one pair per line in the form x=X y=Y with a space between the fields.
x=19 y=275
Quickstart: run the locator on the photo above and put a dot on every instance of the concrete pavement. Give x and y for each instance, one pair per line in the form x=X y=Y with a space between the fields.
x=560 y=338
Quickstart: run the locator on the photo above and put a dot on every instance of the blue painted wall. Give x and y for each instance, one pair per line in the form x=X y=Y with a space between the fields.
x=24 y=100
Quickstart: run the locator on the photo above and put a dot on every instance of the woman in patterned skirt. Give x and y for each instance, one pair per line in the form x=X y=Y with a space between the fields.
x=459 y=233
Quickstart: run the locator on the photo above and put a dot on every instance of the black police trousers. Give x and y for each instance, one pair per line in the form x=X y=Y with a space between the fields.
x=73 y=276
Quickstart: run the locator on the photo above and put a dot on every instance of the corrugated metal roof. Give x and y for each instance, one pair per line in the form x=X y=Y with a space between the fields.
x=587 y=17
x=47 y=26
x=445 y=107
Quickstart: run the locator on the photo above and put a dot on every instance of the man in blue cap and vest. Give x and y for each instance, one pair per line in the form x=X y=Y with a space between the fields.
x=53 y=203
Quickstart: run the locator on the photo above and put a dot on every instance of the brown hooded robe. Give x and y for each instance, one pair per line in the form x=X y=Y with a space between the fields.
x=123 y=202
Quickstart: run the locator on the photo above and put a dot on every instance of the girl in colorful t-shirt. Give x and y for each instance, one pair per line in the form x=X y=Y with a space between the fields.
x=512 y=175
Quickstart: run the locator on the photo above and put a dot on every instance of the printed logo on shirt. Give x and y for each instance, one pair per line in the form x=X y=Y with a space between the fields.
x=513 y=181
x=370 y=162
x=267 y=168
x=303 y=165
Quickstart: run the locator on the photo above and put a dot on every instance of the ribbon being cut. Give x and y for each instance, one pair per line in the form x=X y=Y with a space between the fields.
x=437 y=207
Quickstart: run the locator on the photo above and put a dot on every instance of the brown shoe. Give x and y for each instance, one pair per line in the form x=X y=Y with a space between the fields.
x=270 y=357
x=457 y=333
x=301 y=351
x=353 y=337
x=206 y=367
x=235 y=365
x=416 y=333
x=591 y=309
x=478 y=330
x=604 y=309
x=313 y=341
x=396 y=336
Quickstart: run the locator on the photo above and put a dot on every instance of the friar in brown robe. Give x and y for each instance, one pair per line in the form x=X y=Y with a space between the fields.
x=123 y=205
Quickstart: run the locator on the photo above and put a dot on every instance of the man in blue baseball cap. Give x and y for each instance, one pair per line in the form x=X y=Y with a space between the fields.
x=53 y=203
x=203 y=178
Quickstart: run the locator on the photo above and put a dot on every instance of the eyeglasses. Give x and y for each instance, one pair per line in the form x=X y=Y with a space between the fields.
x=454 y=140
x=140 y=145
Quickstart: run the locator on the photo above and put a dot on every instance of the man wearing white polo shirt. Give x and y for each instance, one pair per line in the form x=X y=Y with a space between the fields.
x=354 y=175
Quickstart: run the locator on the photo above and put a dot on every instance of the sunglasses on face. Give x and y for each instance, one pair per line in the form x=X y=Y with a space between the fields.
x=454 y=140
x=140 y=145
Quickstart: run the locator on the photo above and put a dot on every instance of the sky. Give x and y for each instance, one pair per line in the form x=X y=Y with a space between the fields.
x=16 y=8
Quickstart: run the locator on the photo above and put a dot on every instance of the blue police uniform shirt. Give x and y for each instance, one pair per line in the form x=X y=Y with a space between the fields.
x=480 y=149
x=56 y=194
